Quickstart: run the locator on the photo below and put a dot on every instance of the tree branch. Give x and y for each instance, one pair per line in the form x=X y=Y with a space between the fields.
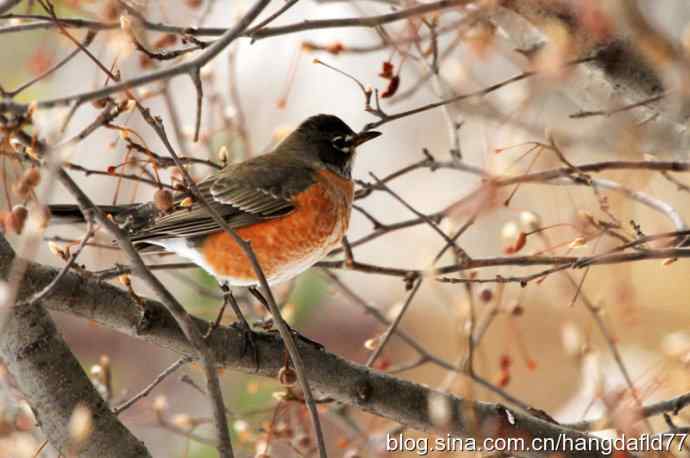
x=619 y=74
x=53 y=381
x=7 y=5
x=352 y=384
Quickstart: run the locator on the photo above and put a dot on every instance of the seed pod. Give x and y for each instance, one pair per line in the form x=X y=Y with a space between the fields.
x=335 y=48
x=21 y=189
x=40 y=216
x=223 y=154
x=14 y=221
x=145 y=61
x=352 y=453
x=167 y=40
x=505 y=362
x=160 y=404
x=530 y=221
x=183 y=421
x=80 y=424
x=240 y=426
x=302 y=441
x=126 y=25
x=287 y=376
x=519 y=242
x=578 y=242
x=386 y=70
x=371 y=344
x=100 y=103
x=163 y=200
x=486 y=295
x=28 y=181
x=110 y=11
x=57 y=250
x=32 y=177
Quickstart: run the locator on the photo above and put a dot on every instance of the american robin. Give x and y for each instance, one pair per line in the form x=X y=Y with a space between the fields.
x=292 y=204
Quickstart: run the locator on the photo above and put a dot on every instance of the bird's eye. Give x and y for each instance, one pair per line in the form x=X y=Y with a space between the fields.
x=341 y=143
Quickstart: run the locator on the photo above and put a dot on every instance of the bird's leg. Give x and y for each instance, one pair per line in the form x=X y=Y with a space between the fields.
x=257 y=294
x=243 y=324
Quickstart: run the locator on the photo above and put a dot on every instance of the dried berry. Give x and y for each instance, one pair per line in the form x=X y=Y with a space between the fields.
x=165 y=41
x=287 y=376
x=163 y=200
x=14 y=220
x=32 y=177
x=486 y=295
x=335 y=48
x=392 y=88
x=387 y=70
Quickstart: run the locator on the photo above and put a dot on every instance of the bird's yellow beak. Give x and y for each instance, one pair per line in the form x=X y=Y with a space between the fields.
x=364 y=137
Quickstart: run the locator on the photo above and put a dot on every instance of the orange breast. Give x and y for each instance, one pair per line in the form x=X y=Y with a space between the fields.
x=290 y=244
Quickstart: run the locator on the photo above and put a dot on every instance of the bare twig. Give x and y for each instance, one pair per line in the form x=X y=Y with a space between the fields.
x=154 y=383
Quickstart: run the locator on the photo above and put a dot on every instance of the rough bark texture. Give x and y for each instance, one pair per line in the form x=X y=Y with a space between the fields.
x=401 y=401
x=54 y=383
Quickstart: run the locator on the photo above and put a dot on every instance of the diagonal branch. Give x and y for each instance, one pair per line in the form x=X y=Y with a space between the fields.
x=184 y=68
x=283 y=328
x=7 y=5
x=53 y=380
x=184 y=320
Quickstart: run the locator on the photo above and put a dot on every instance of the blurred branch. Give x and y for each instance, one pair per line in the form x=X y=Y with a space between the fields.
x=672 y=406
x=7 y=5
x=189 y=67
x=619 y=74
x=195 y=64
x=52 y=379
x=256 y=33
x=88 y=39
x=370 y=21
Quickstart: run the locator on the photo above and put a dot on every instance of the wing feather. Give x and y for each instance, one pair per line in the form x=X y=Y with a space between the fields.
x=246 y=193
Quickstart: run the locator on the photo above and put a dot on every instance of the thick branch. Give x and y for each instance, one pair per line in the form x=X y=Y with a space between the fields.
x=379 y=394
x=619 y=74
x=54 y=382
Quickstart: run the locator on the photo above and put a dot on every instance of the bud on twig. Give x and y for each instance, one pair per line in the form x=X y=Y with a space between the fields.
x=287 y=376
x=163 y=200
x=80 y=425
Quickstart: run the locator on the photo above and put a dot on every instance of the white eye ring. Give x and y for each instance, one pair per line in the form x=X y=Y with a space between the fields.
x=343 y=144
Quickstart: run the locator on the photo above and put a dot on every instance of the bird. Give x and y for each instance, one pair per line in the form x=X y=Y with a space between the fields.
x=292 y=204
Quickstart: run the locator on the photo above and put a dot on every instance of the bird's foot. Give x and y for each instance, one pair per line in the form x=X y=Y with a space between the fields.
x=248 y=341
x=301 y=337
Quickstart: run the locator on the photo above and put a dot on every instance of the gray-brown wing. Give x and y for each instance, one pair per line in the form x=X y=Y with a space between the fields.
x=245 y=193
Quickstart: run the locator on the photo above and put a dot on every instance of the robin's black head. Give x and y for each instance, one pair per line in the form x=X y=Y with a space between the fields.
x=328 y=140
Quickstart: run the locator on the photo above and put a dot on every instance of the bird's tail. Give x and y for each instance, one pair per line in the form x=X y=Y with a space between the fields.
x=69 y=213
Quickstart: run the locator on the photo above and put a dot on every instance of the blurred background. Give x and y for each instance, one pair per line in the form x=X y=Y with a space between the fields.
x=540 y=345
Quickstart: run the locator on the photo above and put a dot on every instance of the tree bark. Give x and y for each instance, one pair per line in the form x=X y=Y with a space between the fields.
x=331 y=376
x=54 y=383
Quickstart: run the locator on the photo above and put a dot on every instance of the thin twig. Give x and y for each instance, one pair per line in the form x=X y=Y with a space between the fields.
x=154 y=383
x=393 y=326
x=283 y=328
